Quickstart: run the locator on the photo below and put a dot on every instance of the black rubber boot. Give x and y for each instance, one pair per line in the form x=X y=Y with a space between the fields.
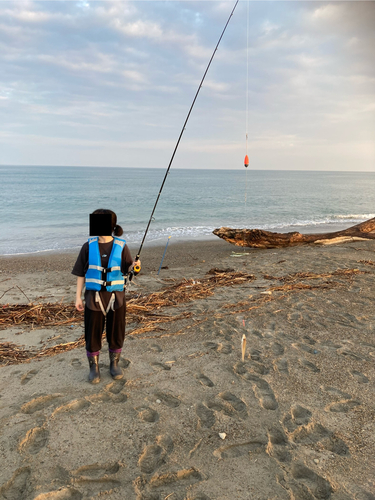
x=94 y=375
x=114 y=369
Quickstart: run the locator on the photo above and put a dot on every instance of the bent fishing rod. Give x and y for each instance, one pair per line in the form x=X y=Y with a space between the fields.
x=137 y=268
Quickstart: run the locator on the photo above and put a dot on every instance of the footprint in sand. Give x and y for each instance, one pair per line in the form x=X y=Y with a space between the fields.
x=300 y=415
x=360 y=377
x=76 y=363
x=310 y=366
x=225 y=348
x=119 y=398
x=330 y=345
x=342 y=406
x=308 y=484
x=309 y=340
x=240 y=449
x=278 y=445
x=262 y=389
x=96 y=479
x=203 y=379
x=155 y=348
x=281 y=366
x=28 y=376
x=297 y=416
x=263 y=392
x=310 y=434
x=39 y=403
x=97 y=470
x=34 y=441
x=237 y=404
x=101 y=397
x=66 y=493
x=18 y=485
x=167 y=399
x=211 y=345
x=116 y=386
x=277 y=349
x=314 y=433
x=220 y=406
x=332 y=391
x=206 y=416
x=180 y=479
x=179 y=482
x=160 y=366
x=124 y=363
x=351 y=354
x=94 y=487
x=154 y=455
x=257 y=368
x=229 y=404
x=250 y=366
x=72 y=407
x=148 y=415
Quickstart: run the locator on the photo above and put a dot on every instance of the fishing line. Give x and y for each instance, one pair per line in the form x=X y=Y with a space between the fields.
x=180 y=136
x=247 y=78
x=246 y=162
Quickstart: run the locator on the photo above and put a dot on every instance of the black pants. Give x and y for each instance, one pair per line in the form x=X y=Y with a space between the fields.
x=114 y=326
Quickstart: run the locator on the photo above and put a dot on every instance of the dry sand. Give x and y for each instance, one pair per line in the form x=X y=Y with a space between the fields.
x=297 y=417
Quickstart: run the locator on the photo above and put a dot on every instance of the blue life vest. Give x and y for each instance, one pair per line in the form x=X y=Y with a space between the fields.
x=97 y=276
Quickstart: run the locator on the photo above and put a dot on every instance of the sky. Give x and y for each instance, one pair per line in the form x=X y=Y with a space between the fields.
x=110 y=83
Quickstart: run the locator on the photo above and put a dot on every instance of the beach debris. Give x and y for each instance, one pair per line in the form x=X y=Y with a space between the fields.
x=243 y=347
x=367 y=262
x=293 y=283
x=48 y=314
x=222 y=435
x=12 y=353
x=290 y=278
x=258 y=238
x=143 y=312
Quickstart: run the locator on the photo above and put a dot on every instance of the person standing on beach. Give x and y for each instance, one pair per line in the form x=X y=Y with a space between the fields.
x=104 y=299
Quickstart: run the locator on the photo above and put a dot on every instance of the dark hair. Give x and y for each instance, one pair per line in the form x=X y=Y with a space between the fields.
x=117 y=230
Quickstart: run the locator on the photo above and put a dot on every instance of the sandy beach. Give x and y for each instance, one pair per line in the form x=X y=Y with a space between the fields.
x=191 y=420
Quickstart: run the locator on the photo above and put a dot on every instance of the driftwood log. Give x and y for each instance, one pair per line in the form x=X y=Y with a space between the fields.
x=257 y=238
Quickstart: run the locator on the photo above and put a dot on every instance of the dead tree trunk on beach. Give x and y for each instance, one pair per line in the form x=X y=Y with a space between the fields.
x=257 y=238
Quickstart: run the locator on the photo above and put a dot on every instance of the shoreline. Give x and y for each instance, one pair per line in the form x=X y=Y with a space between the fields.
x=326 y=227
x=178 y=254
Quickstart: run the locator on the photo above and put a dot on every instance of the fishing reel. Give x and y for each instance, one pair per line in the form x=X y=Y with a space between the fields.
x=136 y=269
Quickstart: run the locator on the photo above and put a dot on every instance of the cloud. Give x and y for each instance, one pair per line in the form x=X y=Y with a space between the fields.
x=98 y=72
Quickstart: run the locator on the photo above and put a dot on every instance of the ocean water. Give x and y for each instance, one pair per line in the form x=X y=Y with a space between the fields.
x=47 y=208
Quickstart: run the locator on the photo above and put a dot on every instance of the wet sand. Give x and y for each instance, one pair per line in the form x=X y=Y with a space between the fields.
x=297 y=416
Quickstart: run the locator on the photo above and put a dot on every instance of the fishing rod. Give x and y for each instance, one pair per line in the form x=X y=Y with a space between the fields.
x=137 y=268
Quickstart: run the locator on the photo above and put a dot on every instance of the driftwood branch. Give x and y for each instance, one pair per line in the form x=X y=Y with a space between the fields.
x=257 y=238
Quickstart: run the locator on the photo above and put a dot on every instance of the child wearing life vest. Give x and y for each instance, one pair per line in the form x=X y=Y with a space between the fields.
x=101 y=265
